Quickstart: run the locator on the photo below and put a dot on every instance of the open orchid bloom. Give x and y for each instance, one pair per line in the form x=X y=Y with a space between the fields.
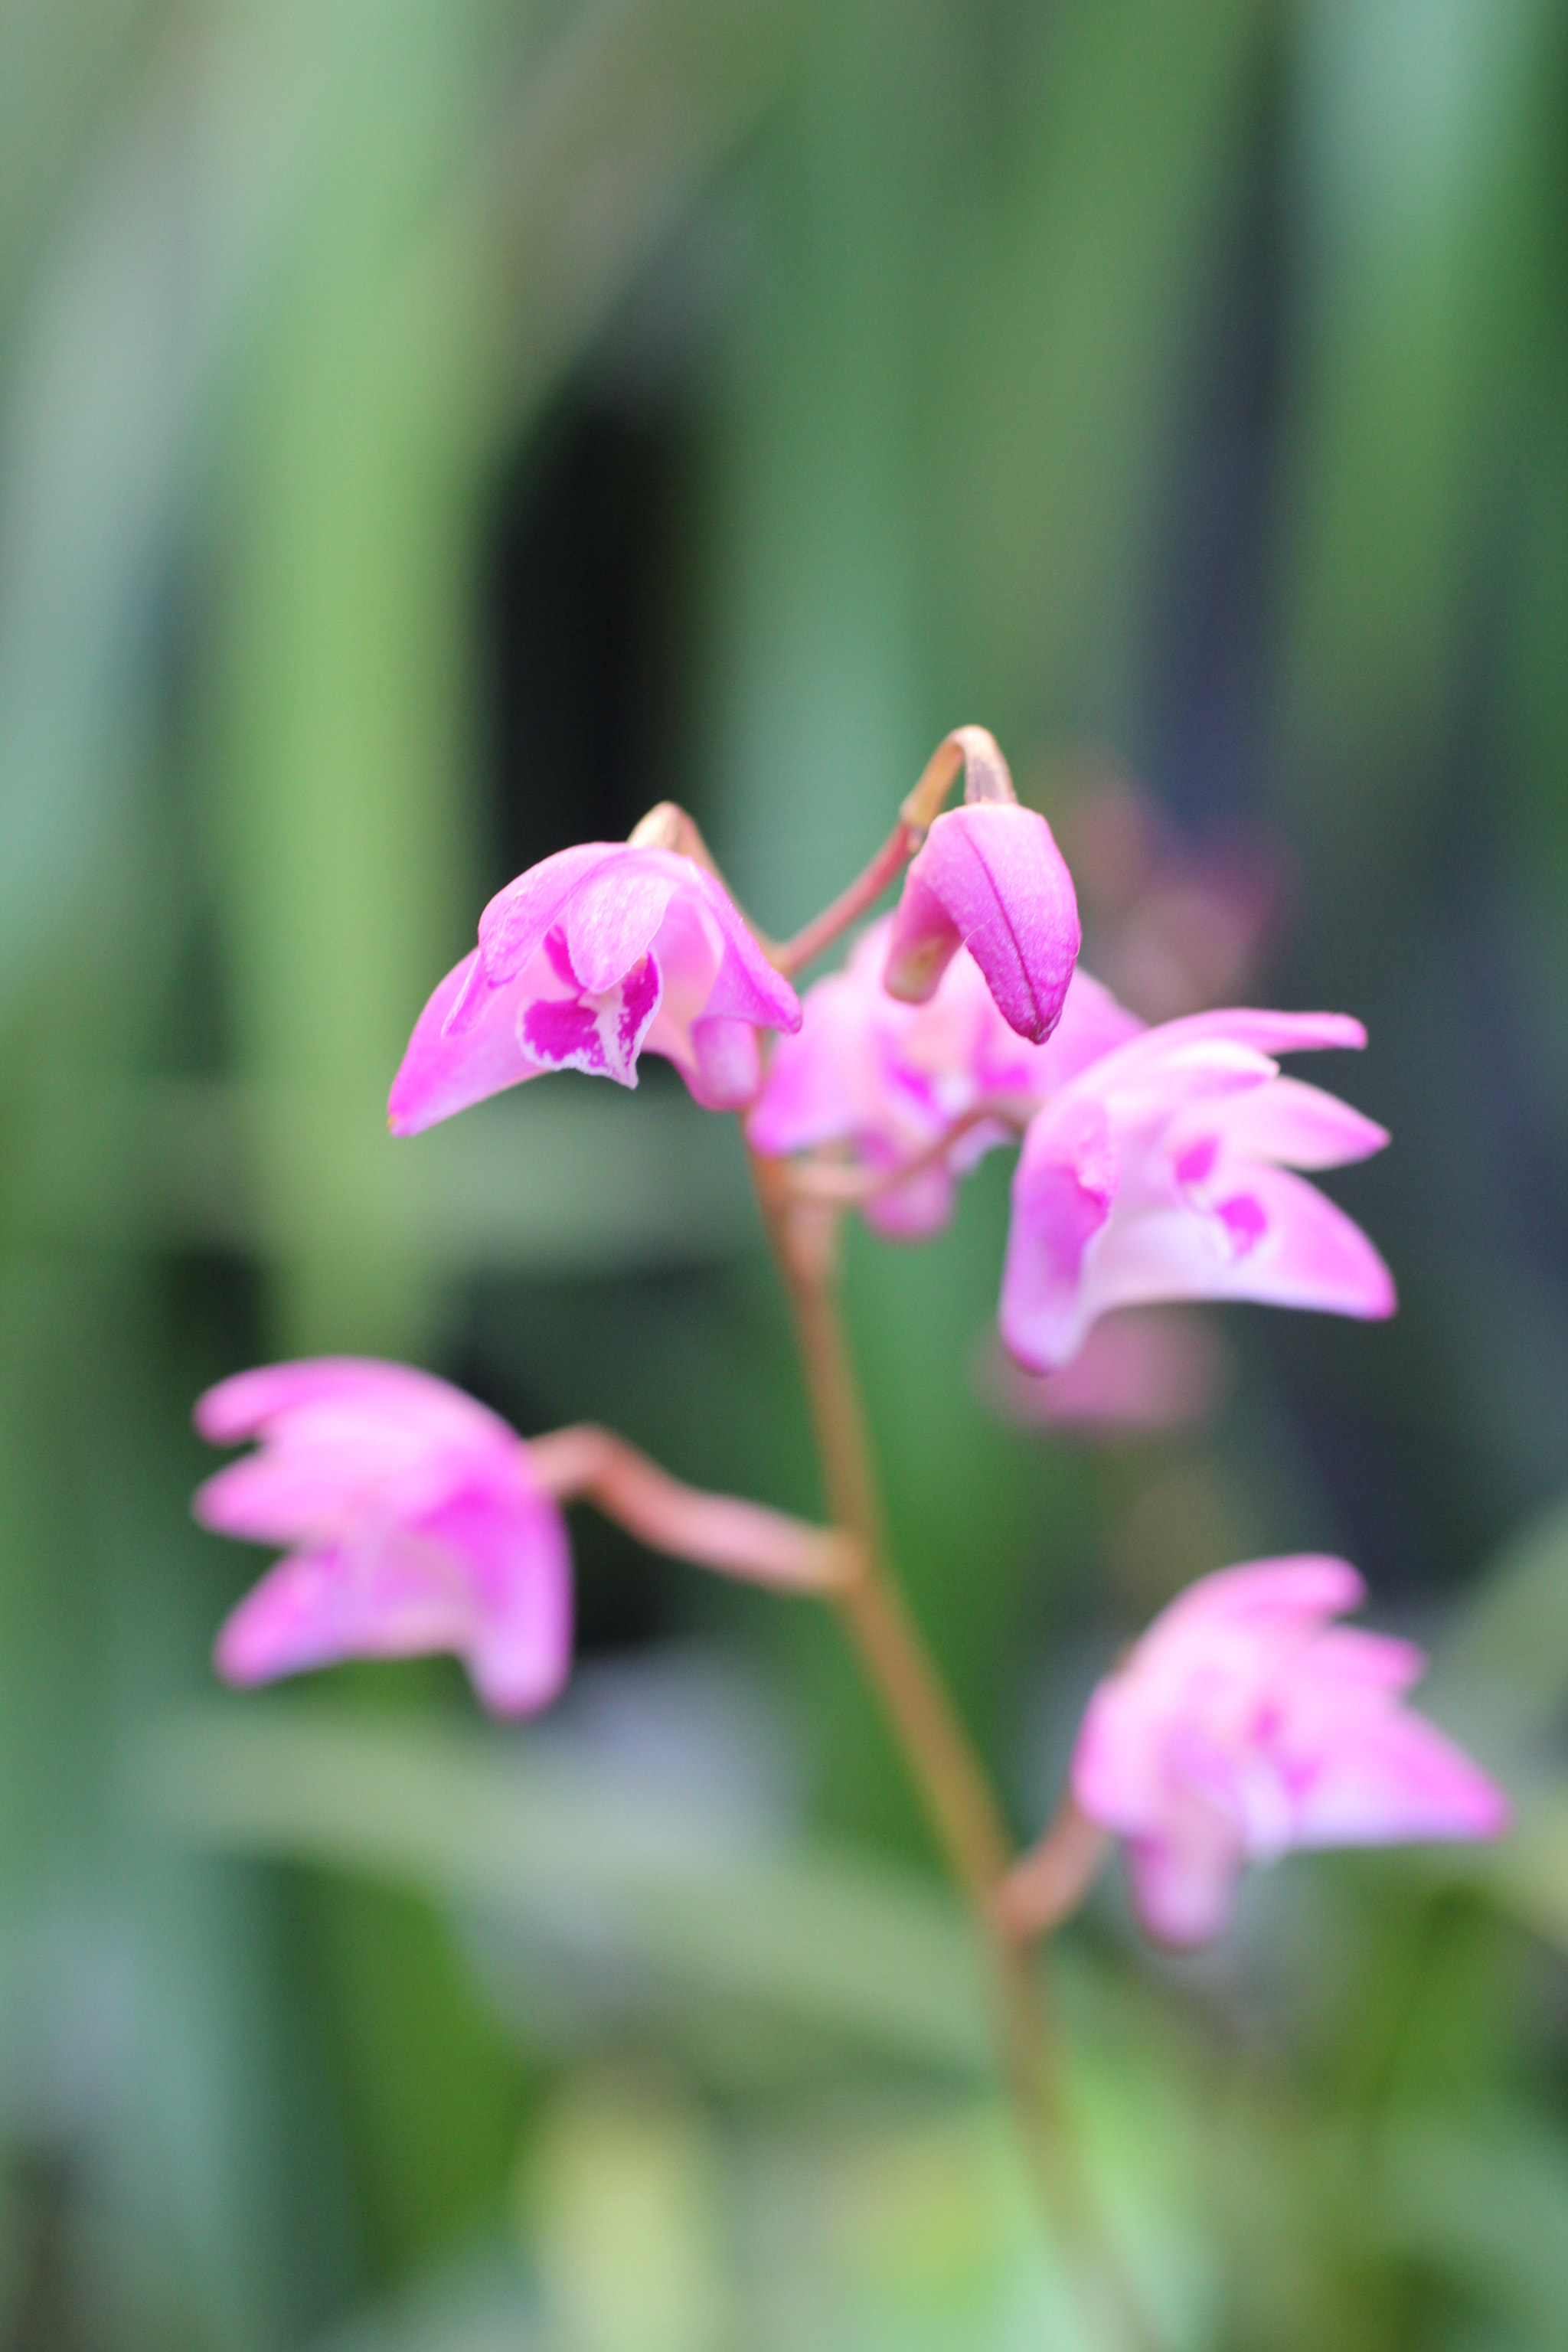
x=989 y=878
x=1163 y=1171
x=585 y=960
x=1244 y=1724
x=890 y=1079
x=414 y=1519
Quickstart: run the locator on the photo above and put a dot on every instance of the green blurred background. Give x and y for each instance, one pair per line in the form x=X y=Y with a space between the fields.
x=429 y=434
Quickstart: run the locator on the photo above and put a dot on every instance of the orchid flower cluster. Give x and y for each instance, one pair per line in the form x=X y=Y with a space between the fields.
x=1153 y=1163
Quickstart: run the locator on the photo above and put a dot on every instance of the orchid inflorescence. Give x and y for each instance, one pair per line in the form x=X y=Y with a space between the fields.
x=1155 y=1163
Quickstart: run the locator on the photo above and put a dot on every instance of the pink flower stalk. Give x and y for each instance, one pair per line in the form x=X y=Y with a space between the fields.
x=1244 y=1724
x=1162 y=1170
x=891 y=1078
x=414 y=1519
x=989 y=878
x=582 y=963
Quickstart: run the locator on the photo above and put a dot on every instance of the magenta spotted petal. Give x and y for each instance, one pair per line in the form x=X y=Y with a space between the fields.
x=583 y=963
x=414 y=1522
x=1244 y=1724
x=1163 y=1172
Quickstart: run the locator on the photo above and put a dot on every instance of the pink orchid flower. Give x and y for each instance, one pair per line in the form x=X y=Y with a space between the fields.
x=1244 y=1724
x=582 y=963
x=415 y=1523
x=1163 y=1171
x=891 y=1078
x=989 y=878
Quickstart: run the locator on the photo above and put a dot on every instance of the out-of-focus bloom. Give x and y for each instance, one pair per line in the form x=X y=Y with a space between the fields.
x=415 y=1523
x=989 y=878
x=1244 y=1724
x=582 y=963
x=1163 y=1171
x=890 y=1079
x=1175 y=925
x=1147 y=1368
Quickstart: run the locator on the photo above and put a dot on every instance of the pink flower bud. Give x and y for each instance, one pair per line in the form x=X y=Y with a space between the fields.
x=1244 y=1724
x=990 y=879
x=415 y=1522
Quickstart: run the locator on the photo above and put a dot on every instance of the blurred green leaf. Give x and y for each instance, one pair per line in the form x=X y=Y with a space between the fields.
x=847 y=1943
x=1499 y=1678
x=1484 y=2204
x=558 y=1179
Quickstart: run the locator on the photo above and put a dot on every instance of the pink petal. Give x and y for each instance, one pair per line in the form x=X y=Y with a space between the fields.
x=518 y=1563
x=1139 y=1087
x=821 y=1084
x=1261 y=1032
x=242 y=1406
x=305 y=1492
x=447 y=1068
x=1063 y=1189
x=316 y=1609
x=484 y=1577
x=1345 y=1662
x=915 y=1209
x=613 y=916
x=727 y=1065
x=1275 y=1240
x=513 y=926
x=1183 y=1885
x=1391 y=1777
x=745 y=987
x=1092 y=1024
x=1260 y=1597
x=601 y=1035
x=1297 y=1126
x=990 y=877
x=1117 y=1778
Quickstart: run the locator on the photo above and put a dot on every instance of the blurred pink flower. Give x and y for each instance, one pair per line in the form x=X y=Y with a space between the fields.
x=1175 y=925
x=1145 y=1369
x=1163 y=1171
x=583 y=961
x=890 y=1079
x=1244 y=1724
x=989 y=878
x=415 y=1523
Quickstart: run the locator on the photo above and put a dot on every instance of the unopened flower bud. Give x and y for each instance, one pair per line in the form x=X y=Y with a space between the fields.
x=989 y=878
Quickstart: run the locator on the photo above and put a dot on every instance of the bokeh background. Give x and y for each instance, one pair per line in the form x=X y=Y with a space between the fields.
x=429 y=434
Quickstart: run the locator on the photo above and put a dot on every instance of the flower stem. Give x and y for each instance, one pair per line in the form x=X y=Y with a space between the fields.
x=986 y=777
x=718 y=1531
x=954 y=1788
